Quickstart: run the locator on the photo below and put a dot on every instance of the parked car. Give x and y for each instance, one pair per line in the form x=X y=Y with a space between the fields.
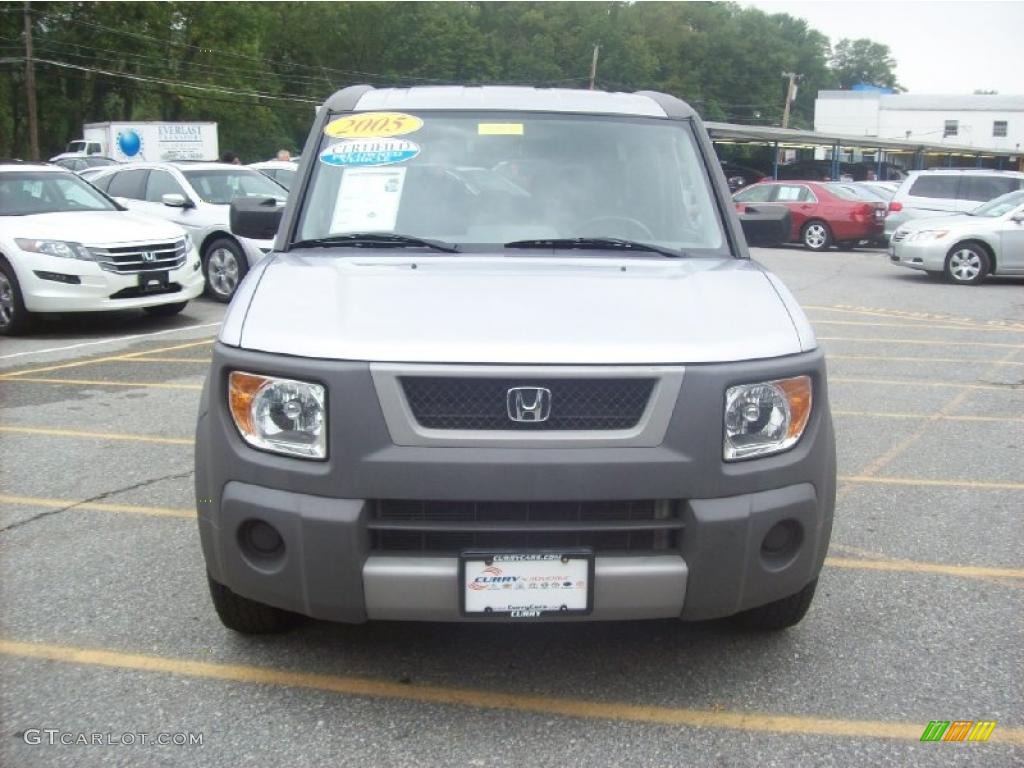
x=281 y=171
x=883 y=190
x=966 y=247
x=823 y=213
x=66 y=247
x=435 y=397
x=79 y=163
x=739 y=176
x=196 y=196
x=942 y=192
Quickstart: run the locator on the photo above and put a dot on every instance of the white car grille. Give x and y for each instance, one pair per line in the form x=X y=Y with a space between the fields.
x=145 y=257
x=898 y=235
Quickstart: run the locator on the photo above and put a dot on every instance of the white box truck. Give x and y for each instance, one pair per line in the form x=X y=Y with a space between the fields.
x=151 y=141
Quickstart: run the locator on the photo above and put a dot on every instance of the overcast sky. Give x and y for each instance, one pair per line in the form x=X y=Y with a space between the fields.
x=939 y=47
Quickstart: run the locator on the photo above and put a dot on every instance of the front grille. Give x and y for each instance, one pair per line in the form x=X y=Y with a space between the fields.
x=441 y=402
x=132 y=259
x=446 y=527
x=898 y=236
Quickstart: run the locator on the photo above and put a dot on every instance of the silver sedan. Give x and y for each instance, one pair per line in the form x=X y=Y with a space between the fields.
x=965 y=247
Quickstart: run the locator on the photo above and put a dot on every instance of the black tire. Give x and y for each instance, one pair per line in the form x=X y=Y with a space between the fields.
x=779 y=614
x=816 y=236
x=224 y=266
x=14 y=318
x=247 y=616
x=967 y=264
x=166 y=310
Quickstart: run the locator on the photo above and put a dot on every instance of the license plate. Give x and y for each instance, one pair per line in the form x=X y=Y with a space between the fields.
x=526 y=585
x=153 y=281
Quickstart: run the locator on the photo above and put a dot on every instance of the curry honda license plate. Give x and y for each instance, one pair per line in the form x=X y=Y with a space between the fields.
x=526 y=585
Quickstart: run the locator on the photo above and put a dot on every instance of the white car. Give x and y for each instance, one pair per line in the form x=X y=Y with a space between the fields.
x=967 y=247
x=281 y=171
x=65 y=247
x=196 y=195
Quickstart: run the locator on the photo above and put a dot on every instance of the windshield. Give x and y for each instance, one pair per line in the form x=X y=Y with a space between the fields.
x=850 y=192
x=220 y=187
x=1001 y=205
x=25 y=193
x=491 y=178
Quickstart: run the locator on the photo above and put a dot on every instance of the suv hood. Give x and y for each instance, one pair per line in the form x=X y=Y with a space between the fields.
x=94 y=227
x=515 y=310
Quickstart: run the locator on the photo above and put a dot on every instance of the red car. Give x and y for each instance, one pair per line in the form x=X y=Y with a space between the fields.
x=823 y=213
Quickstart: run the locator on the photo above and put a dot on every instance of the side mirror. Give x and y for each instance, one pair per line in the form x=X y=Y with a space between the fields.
x=766 y=227
x=256 y=218
x=174 y=200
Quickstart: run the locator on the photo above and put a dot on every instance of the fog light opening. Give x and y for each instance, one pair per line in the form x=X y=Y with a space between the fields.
x=260 y=541
x=781 y=543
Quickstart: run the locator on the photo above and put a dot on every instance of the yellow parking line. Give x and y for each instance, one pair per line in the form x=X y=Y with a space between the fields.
x=107 y=359
x=51 y=432
x=893 y=359
x=883 y=415
x=925 y=342
x=921 y=317
x=99 y=506
x=968 y=328
x=102 y=383
x=484 y=699
x=919 y=383
x=920 y=481
x=913 y=566
x=203 y=360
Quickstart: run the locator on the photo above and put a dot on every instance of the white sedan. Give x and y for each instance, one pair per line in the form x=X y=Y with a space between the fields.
x=65 y=247
x=965 y=247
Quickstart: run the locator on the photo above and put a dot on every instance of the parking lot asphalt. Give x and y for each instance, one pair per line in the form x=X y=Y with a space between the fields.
x=106 y=625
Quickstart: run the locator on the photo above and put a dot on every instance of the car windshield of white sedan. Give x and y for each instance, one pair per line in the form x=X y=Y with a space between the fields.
x=220 y=187
x=1001 y=205
x=491 y=178
x=27 y=193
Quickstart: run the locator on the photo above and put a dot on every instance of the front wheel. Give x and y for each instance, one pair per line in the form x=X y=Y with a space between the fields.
x=14 y=318
x=166 y=310
x=967 y=264
x=224 y=265
x=816 y=236
x=247 y=616
x=779 y=614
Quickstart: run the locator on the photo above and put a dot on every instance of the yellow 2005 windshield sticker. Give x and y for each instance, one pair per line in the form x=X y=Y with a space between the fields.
x=499 y=129
x=373 y=125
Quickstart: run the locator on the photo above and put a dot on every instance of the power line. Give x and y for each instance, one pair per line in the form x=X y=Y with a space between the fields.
x=194 y=86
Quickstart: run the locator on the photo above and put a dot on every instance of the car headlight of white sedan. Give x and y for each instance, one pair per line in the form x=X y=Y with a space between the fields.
x=61 y=248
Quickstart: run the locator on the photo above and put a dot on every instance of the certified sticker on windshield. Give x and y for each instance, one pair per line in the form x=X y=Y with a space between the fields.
x=369 y=152
x=367 y=125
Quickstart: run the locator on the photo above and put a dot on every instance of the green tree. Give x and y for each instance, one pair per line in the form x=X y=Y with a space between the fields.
x=864 y=61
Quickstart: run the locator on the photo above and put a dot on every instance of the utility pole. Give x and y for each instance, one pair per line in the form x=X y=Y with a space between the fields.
x=593 y=66
x=30 y=88
x=790 y=95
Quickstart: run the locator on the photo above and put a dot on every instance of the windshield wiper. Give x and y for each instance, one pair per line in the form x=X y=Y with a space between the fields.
x=375 y=240
x=612 y=243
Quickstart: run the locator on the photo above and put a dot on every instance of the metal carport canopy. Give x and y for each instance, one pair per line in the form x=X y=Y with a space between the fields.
x=782 y=136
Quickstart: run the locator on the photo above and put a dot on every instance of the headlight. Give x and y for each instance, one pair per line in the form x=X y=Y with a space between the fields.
x=188 y=244
x=55 y=248
x=929 y=234
x=279 y=415
x=765 y=418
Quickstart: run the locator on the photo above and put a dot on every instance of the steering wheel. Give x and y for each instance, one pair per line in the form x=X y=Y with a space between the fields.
x=614 y=231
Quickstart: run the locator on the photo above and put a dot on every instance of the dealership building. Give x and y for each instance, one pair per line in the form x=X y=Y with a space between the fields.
x=984 y=121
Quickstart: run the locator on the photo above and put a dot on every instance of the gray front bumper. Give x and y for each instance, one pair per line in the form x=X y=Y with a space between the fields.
x=321 y=509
